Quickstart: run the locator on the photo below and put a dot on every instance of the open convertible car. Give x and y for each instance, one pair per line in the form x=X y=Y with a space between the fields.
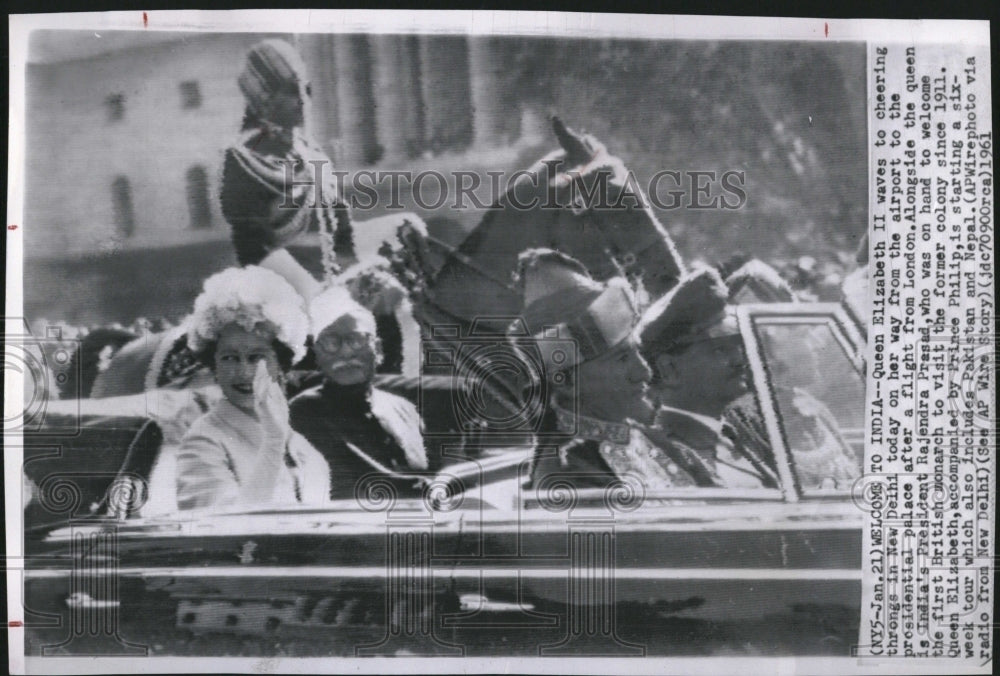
x=477 y=562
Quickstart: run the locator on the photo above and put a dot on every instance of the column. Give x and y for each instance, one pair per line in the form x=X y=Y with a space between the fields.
x=399 y=119
x=496 y=114
x=356 y=144
x=317 y=52
x=444 y=62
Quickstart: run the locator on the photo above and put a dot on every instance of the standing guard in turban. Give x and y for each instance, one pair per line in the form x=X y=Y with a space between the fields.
x=276 y=180
x=278 y=183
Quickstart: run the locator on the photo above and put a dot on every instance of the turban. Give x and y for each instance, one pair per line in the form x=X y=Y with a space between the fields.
x=272 y=67
x=333 y=303
x=276 y=183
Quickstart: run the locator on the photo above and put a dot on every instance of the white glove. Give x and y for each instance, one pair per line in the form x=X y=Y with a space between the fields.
x=272 y=412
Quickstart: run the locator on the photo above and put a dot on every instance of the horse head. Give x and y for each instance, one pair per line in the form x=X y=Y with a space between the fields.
x=578 y=199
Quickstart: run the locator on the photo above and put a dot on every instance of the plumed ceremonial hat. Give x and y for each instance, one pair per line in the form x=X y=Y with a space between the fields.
x=695 y=310
x=562 y=300
x=249 y=297
x=271 y=66
x=756 y=281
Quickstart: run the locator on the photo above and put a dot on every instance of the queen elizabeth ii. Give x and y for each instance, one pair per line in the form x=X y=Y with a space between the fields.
x=249 y=326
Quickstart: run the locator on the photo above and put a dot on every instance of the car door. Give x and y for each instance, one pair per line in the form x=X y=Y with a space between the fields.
x=621 y=570
x=520 y=570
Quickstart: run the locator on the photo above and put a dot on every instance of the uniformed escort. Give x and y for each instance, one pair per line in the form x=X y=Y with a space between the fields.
x=692 y=342
x=596 y=424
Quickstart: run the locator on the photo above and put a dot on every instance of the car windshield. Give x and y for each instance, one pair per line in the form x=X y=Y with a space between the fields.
x=819 y=395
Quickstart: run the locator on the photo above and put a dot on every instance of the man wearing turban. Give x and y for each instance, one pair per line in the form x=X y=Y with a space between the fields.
x=360 y=429
x=270 y=193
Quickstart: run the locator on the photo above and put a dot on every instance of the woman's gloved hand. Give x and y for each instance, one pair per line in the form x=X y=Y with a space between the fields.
x=271 y=405
x=272 y=411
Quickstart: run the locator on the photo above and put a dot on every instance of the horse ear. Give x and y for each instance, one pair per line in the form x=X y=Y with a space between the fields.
x=578 y=151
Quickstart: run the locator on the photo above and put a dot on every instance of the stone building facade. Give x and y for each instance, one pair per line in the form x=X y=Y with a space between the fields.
x=125 y=146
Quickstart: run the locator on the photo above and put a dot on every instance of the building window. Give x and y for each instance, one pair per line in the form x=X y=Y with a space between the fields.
x=115 y=104
x=190 y=94
x=197 y=197
x=121 y=199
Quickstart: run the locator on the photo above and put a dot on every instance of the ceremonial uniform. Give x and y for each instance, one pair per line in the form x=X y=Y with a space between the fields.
x=582 y=330
x=691 y=338
x=731 y=463
x=264 y=208
x=270 y=193
x=278 y=183
x=595 y=452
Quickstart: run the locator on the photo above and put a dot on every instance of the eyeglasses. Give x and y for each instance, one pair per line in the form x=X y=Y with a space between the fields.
x=334 y=342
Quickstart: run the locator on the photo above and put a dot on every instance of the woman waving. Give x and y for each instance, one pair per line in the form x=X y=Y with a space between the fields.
x=249 y=327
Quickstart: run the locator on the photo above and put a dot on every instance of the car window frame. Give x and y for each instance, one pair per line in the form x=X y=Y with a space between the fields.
x=847 y=335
